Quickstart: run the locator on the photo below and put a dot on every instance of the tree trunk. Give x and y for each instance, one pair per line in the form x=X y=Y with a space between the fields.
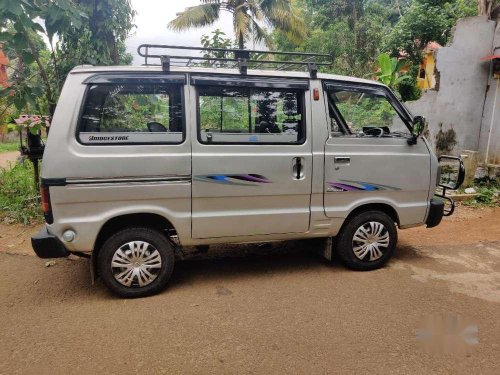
x=56 y=68
x=112 y=48
x=484 y=7
x=48 y=90
x=241 y=41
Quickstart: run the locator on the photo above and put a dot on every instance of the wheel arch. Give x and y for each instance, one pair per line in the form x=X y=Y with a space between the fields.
x=150 y=220
x=383 y=207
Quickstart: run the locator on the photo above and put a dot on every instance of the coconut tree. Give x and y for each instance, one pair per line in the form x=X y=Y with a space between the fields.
x=249 y=17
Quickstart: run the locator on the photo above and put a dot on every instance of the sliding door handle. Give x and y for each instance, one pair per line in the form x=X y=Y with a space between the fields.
x=298 y=168
x=341 y=159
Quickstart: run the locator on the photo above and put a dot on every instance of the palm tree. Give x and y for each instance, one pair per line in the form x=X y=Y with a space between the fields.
x=248 y=15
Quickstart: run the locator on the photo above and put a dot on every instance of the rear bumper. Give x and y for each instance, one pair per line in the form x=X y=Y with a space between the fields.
x=47 y=245
x=436 y=213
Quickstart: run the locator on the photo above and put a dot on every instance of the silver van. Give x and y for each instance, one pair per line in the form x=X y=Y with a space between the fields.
x=141 y=161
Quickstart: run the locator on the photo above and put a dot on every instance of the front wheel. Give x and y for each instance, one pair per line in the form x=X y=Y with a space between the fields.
x=136 y=262
x=367 y=240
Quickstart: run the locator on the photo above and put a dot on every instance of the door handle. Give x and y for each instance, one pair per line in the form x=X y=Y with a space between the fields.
x=298 y=168
x=341 y=159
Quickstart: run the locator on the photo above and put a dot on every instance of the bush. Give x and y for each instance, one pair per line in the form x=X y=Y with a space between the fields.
x=19 y=201
x=488 y=194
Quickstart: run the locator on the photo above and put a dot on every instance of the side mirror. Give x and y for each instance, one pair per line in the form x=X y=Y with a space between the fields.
x=452 y=172
x=418 y=125
x=417 y=130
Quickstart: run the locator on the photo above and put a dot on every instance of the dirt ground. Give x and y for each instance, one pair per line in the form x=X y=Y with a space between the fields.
x=8 y=157
x=435 y=308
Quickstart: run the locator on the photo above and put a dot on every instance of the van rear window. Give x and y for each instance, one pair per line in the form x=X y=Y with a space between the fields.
x=250 y=115
x=132 y=114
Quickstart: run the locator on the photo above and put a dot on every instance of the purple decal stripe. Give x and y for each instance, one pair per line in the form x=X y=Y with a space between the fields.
x=359 y=185
x=371 y=186
x=230 y=179
x=344 y=186
x=251 y=177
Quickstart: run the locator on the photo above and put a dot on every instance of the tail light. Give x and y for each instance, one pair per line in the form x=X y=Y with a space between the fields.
x=46 y=206
x=316 y=94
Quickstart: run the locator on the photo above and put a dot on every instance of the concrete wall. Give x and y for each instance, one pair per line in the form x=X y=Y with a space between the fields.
x=491 y=114
x=455 y=112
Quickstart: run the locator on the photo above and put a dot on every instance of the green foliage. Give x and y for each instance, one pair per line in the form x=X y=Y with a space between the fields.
x=241 y=111
x=488 y=194
x=360 y=110
x=87 y=32
x=20 y=32
x=132 y=112
x=217 y=39
x=19 y=201
x=408 y=89
x=425 y=21
x=389 y=70
x=355 y=32
x=230 y=112
x=101 y=40
x=248 y=16
x=9 y=146
x=350 y=31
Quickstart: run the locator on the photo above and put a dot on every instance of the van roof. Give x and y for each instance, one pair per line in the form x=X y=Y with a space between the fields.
x=222 y=71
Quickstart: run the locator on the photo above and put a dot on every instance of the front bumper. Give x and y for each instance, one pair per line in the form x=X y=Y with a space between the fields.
x=436 y=213
x=47 y=245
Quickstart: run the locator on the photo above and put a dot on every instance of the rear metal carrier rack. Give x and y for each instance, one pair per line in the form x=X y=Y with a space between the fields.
x=234 y=58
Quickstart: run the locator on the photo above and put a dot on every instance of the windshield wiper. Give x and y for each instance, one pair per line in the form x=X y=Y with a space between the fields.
x=402 y=134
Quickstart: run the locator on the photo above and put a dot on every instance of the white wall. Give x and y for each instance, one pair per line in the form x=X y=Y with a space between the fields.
x=463 y=84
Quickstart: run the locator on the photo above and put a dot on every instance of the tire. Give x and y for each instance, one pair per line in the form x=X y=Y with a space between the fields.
x=355 y=242
x=136 y=262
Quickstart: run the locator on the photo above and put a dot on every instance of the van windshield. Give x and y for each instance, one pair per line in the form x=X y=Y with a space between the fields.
x=365 y=112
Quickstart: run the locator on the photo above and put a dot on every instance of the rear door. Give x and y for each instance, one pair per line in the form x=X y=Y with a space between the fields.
x=367 y=156
x=252 y=160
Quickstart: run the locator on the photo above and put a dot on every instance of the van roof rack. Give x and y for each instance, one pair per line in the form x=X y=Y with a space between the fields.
x=229 y=57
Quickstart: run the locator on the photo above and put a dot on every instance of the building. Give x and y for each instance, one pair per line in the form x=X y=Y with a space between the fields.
x=463 y=108
x=426 y=78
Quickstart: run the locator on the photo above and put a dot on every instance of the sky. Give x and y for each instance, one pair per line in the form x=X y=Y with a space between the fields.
x=151 y=25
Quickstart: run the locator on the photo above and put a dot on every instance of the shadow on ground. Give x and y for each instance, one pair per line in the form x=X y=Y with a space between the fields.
x=70 y=278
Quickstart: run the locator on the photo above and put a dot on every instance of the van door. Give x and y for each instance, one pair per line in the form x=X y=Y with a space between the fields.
x=367 y=156
x=252 y=161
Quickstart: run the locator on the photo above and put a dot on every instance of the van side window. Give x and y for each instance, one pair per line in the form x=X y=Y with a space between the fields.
x=363 y=111
x=250 y=115
x=132 y=113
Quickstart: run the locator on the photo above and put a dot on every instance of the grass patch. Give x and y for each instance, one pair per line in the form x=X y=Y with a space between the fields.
x=19 y=201
x=9 y=146
x=488 y=194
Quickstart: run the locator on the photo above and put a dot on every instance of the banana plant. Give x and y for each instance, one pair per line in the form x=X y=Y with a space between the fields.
x=389 y=70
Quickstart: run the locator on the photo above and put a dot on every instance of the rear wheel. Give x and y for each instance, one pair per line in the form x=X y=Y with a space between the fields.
x=136 y=262
x=367 y=240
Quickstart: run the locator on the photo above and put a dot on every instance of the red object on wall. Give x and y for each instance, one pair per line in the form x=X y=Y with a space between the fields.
x=4 y=61
x=496 y=64
x=491 y=57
